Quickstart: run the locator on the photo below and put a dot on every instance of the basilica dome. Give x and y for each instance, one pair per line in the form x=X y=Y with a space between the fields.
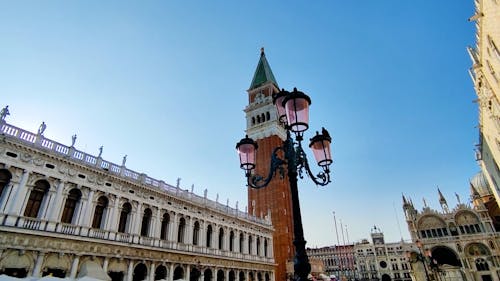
x=480 y=183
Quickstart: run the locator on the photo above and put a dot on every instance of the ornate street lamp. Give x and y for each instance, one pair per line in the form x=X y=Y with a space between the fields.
x=293 y=113
x=414 y=256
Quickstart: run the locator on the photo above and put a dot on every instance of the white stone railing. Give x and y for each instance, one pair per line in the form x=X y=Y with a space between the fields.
x=43 y=227
x=39 y=141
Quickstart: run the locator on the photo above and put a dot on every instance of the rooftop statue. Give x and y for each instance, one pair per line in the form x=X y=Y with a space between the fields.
x=41 y=129
x=4 y=112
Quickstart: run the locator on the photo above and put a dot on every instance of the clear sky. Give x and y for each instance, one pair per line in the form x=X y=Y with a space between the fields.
x=165 y=82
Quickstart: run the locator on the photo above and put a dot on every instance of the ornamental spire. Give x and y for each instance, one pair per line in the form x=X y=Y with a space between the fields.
x=263 y=73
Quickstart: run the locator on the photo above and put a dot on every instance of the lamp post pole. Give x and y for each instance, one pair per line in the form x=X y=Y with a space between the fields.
x=293 y=114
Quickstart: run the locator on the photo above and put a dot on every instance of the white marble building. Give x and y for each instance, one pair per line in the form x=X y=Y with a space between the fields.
x=66 y=213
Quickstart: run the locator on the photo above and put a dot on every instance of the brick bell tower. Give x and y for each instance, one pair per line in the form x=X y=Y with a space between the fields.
x=275 y=199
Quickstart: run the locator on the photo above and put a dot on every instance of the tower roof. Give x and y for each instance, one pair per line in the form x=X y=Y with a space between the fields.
x=263 y=73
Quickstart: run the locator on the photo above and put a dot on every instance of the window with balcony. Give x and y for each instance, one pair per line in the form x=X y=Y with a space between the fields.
x=146 y=220
x=102 y=204
x=72 y=200
x=181 y=230
x=36 y=198
x=209 y=236
x=221 y=238
x=231 y=241
x=124 y=217
x=196 y=232
x=164 y=226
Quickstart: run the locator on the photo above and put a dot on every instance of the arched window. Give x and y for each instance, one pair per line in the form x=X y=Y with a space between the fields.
x=482 y=265
x=164 y=226
x=5 y=177
x=221 y=238
x=146 y=219
x=74 y=196
x=253 y=120
x=258 y=246
x=263 y=117
x=268 y=116
x=258 y=119
x=231 y=241
x=102 y=204
x=250 y=244
x=36 y=197
x=124 y=217
x=265 y=247
x=209 y=236
x=242 y=239
x=196 y=233
x=180 y=233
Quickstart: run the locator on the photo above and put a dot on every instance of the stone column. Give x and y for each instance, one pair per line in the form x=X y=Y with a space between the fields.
x=171 y=272
x=152 y=271
x=156 y=233
x=152 y=232
x=188 y=233
x=173 y=229
x=3 y=200
x=136 y=225
x=17 y=201
x=38 y=264
x=130 y=270
x=112 y=225
x=56 y=207
x=188 y=273
x=74 y=267
x=105 y=265
x=227 y=275
x=202 y=235
x=86 y=219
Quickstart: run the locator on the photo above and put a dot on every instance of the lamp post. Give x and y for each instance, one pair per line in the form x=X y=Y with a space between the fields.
x=420 y=257
x=293 y=114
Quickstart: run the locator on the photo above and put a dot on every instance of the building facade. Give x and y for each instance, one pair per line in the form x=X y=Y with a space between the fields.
x=485 y=73
x=459 y=243
x=67 y=213
x=379 y=260
x=274 y=200
x=338 y=260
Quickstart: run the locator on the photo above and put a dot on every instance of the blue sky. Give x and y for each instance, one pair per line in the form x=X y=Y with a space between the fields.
x=165 y=83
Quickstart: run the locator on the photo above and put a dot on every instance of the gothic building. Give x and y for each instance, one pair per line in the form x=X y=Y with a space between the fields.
x=264 y=128
x=461 y=242
x=67 y=213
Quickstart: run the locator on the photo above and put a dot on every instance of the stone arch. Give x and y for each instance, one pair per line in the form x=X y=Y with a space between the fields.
x=37 y=195
x=140 y=272
x=101 y=205
x=56 y=265
x=241 y=276
x=430 y=222
x=72 y=200
x=195 y=274
x=165 y=222
x=477 y=249
x=12 y=263
x=466 y=217
x=161 y=273
x=146 y=221
x=207 y=275
x=209 y=236
x=5 y=177
x=117 y=269
x=220 y=275
x=267 y=277
x=386 y=277
x=259 y=276
x=221 y=238
x=181 y=230
x=232 y=275
x=445 y=255
x=196 y=232
x=178 y=272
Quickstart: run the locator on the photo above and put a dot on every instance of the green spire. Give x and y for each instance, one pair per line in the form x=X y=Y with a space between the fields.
x=263 y=73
